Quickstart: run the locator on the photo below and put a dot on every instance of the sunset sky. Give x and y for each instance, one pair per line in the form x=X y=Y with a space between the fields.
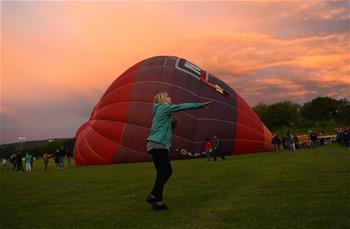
x=57 y=58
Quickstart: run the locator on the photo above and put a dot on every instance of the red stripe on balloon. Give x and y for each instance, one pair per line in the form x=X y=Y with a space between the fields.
x=246 y=122
x=118 y=111
x=101 y=145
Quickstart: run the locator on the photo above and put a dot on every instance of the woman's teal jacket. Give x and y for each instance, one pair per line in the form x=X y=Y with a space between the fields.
x=161 y=130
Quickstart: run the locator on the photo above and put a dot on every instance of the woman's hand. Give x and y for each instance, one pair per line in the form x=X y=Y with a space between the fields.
x=205 y=104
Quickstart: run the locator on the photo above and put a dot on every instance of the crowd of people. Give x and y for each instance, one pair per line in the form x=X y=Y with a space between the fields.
x=212 y=149
x=312 y=140
x=343 y=137
x=17 y=160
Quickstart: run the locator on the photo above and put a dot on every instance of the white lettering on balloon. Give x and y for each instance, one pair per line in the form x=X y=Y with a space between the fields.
x=186 y=152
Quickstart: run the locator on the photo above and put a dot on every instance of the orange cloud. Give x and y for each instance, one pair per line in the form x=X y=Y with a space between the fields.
x=53 y=51
x=232 y=54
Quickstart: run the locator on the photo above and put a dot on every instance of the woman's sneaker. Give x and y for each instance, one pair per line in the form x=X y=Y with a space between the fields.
x=159 y=206
x=151 y=199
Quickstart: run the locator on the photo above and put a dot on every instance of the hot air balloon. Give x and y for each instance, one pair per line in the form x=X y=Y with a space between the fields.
x=120 y=122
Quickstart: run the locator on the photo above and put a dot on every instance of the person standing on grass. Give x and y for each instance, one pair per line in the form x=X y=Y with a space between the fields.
x=69 y=156
x=61 y=155
x=217 y=147
x=56 y=157
x=28 y=160
x=159 y=143
x=276 y=142
x=313 y=139
x=208 y=146
x=3 y=164
x=46 y=158
x=13 y=161
x=292 y=142
x=19 y=164
x=346 y=137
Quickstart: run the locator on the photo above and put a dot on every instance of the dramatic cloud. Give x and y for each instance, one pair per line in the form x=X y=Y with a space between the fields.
x=59 y=57
x=289 y=69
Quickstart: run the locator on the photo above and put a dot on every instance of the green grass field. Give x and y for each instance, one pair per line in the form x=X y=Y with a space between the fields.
x=309 y=188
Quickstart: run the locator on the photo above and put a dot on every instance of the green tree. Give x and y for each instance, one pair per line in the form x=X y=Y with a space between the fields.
x=321 y=110
x=279 y=116
x=283 y=114
x=343 y=112
x=261 y=110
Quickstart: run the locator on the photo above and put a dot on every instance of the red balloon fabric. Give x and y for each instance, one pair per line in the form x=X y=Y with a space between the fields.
x=120 y=122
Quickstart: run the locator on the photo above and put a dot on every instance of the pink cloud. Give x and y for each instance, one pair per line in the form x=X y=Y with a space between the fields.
x=62 y=54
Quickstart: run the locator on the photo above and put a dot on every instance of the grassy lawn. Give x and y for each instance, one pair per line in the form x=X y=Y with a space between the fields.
x=309 y=188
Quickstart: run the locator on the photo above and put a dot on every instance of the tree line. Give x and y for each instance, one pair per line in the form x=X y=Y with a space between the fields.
x=322 y=113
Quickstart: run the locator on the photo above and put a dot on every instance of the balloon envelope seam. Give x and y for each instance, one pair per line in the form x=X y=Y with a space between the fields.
x=84 y=136
x=168 y=84
x=252 y=117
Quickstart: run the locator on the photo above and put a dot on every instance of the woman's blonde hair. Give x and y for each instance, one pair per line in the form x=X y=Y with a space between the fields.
x=160 y=97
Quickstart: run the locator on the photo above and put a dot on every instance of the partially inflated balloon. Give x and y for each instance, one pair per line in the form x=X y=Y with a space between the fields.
x=120 y=122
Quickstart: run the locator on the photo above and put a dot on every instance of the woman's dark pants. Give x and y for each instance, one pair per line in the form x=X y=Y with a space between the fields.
x=163 y=167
